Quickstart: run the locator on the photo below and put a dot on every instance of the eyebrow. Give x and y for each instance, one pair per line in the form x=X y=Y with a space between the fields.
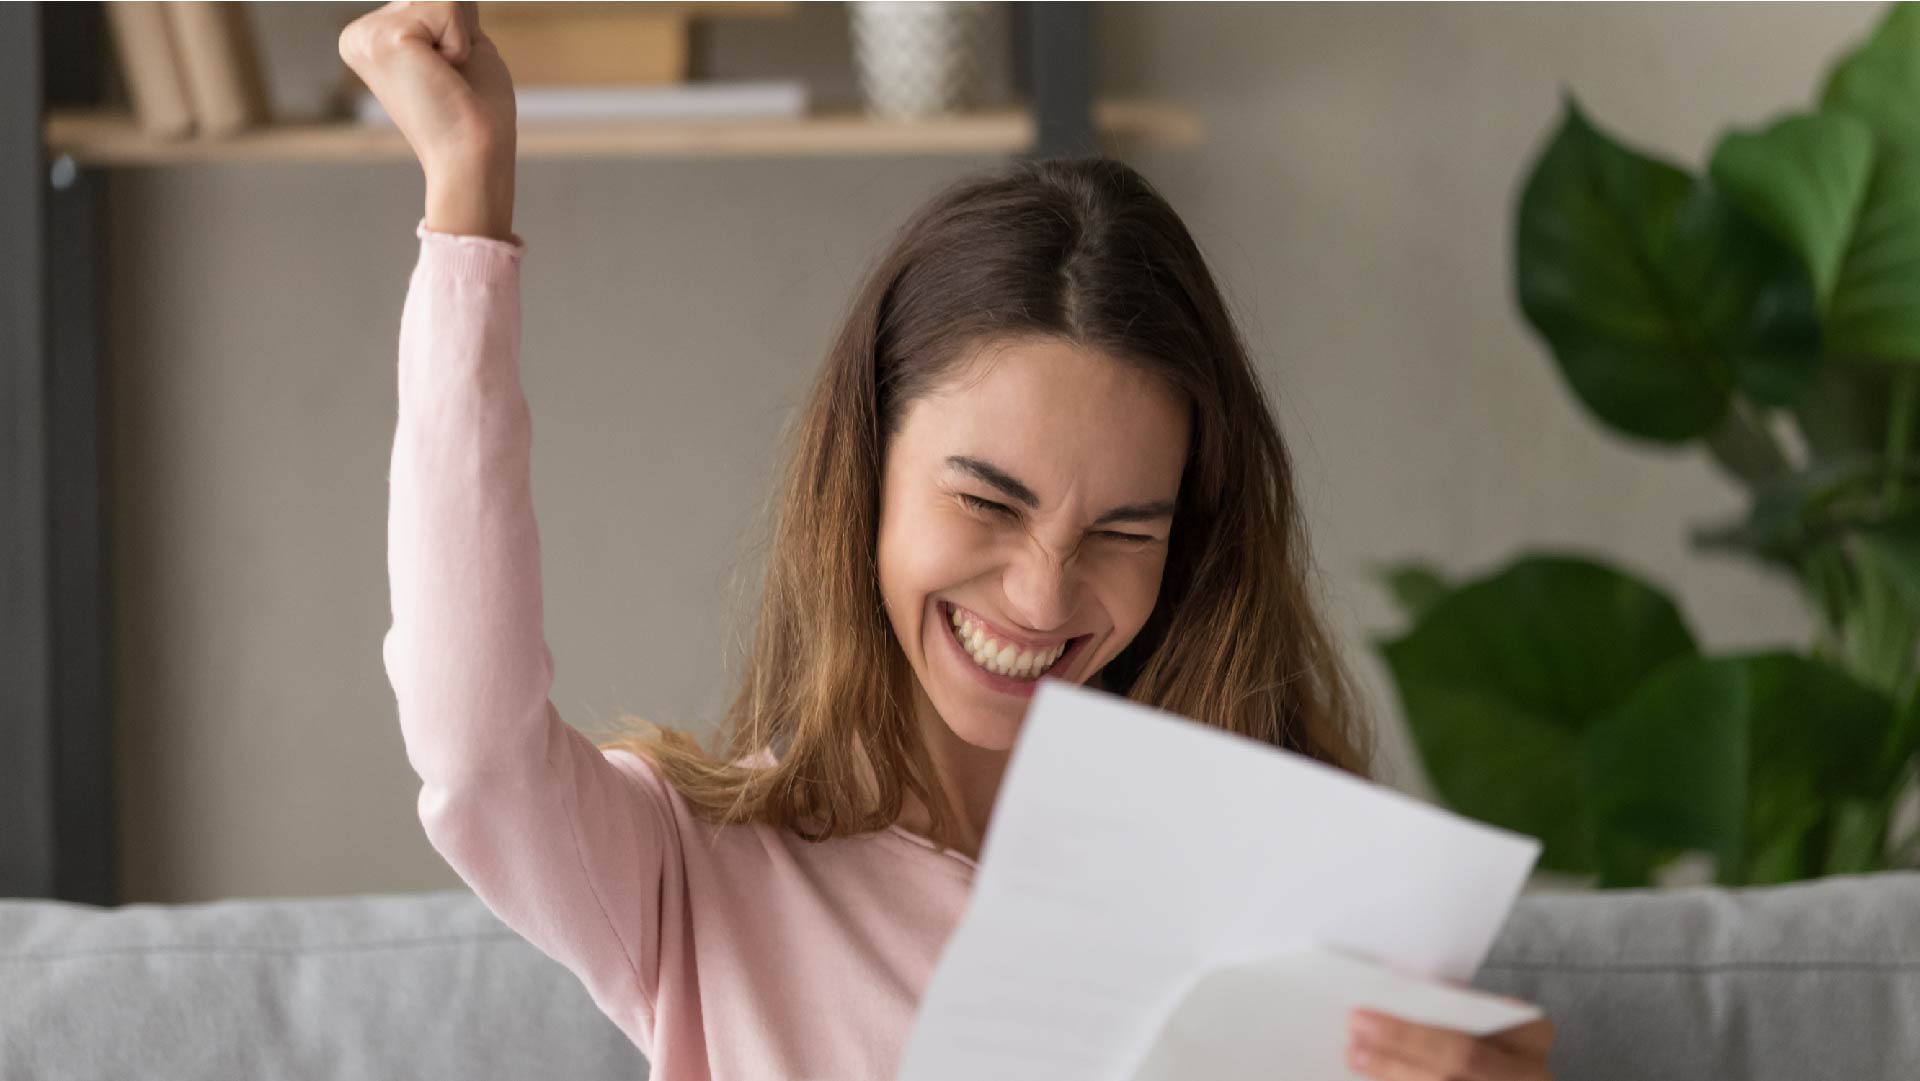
x=1020 y=493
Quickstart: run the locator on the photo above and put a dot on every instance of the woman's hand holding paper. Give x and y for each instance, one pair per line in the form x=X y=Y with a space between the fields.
x=1389 y=1048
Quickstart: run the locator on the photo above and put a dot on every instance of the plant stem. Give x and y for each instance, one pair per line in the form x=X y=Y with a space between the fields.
x=1743 y=446
x=1899 y=430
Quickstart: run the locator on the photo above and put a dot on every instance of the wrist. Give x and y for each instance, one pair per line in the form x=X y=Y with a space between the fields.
x=470 y=205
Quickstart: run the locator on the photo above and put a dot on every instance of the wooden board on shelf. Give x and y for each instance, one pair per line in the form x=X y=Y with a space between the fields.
x=93 y=137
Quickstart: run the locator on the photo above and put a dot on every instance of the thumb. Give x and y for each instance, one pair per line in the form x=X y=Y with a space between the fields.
x=455 y=43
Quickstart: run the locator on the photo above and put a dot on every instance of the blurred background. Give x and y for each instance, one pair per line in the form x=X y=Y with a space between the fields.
x=1352 y=172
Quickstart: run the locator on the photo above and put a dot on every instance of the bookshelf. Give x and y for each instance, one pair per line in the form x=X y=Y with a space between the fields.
x=111 y=138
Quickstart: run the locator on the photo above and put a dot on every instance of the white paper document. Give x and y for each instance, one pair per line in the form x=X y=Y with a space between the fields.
x=1157 y=899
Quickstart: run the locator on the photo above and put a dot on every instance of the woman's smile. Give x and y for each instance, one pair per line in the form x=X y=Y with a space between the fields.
x=997 y=662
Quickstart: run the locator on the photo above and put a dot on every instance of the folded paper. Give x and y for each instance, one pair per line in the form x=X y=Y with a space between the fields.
x=1134 y=855
x=1285 y=1016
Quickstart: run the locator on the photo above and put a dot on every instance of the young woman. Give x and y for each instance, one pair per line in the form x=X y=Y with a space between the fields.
x=1036 y=447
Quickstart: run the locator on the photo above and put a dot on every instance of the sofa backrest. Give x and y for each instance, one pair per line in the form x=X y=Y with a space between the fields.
x=1780 y=983
x=363 y=988
x=1785 y=983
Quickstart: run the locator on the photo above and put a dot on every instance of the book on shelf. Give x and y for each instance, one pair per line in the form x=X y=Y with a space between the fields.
x=221 y=65
x=682 y=101
x=150 y=67
x=601 y=44
x=613 y=44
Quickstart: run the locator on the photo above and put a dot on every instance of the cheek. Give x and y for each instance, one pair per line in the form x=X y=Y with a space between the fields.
x=922 y=551
x=1131 y=583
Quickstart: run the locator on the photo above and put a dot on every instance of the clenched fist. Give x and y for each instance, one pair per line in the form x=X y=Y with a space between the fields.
x=443 y=83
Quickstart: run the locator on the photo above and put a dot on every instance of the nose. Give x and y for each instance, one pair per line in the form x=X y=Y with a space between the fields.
x=1040 y=587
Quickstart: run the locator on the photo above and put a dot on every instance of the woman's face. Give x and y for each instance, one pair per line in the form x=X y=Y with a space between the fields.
x=1033 y=496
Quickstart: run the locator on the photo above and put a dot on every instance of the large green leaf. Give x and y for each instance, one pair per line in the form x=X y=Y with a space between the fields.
x=1857 y=838
x=1805 y=178
x=1657 y=295
x=1415 y=586
x=1745 y=757
x=1882 y=625
x=1872 y=313
x=1886 y=608
x=1903 y=739
x=1880 y=81
x=1500 y=679
x=1896 y=544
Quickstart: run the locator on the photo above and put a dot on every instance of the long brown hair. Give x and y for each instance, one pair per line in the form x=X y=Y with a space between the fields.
x=821 y=739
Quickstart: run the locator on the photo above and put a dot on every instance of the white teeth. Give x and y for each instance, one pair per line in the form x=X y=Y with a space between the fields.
x=1005 y=660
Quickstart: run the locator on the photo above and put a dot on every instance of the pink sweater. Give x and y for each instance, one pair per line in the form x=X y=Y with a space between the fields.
x=727 y=953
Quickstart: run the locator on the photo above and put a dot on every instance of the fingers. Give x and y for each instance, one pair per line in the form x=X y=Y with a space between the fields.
x=1400 y=1050
x=450 y=29
x=457 y=32
x=1535 y=1036
x=469 y=17
x=1485 y=1064
x=387 y=50
x=1371 y=1062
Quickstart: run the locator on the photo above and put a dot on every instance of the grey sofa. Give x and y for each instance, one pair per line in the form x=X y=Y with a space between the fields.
x=1791 y=983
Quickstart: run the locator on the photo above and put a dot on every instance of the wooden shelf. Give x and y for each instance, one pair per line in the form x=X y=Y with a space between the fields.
x=93 y=137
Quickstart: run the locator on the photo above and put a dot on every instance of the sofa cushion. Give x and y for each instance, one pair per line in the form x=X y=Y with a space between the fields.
x=1780 y=983
x=415 y=986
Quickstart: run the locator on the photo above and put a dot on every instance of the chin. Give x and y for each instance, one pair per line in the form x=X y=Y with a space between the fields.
x=989 y=730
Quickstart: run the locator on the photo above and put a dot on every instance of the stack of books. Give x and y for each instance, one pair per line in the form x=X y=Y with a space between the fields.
x=191 y=68
x=195 y=70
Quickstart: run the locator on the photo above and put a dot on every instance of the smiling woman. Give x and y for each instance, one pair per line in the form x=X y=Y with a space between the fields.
x=1036 y=448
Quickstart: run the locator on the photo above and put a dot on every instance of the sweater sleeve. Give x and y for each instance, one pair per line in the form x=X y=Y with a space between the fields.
x=571 y=847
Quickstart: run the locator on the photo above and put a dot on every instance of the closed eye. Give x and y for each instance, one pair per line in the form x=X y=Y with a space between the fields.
x=977 y=503
x=991 y=507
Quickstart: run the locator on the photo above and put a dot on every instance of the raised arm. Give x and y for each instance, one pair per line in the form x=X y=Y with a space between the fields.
x=572 y=848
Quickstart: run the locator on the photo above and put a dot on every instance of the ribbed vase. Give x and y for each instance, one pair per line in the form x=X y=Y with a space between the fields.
x=920 y=59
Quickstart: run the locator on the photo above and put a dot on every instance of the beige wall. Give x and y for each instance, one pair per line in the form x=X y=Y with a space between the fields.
x=1354 y=195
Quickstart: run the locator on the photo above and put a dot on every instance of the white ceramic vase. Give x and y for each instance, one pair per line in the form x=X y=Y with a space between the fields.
x=920 y=59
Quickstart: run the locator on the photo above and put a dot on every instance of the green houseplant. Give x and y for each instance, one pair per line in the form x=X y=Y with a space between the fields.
x=1768 y=310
